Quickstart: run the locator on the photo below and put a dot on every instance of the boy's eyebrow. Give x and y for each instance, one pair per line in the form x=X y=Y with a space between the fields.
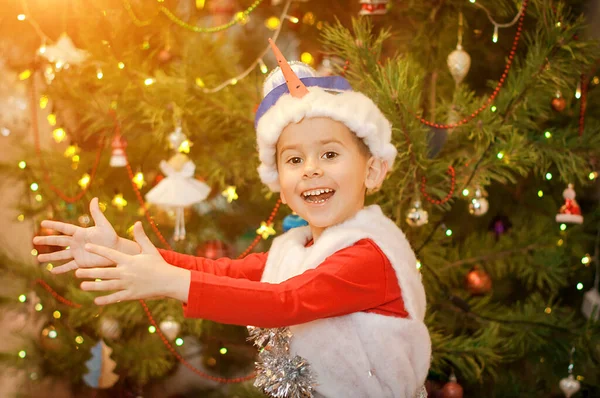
x=322 y=142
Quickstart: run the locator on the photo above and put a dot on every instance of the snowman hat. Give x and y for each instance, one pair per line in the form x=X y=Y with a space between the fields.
x=293 y=91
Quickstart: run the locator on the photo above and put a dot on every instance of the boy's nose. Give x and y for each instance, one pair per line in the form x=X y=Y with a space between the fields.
x=312 y=169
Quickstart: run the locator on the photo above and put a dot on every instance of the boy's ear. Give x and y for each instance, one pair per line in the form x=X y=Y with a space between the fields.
x=283 y=200
x=376 y=172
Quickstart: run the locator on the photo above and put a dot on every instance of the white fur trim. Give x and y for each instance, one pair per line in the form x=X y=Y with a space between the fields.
x=358 y=112
x=343 y=350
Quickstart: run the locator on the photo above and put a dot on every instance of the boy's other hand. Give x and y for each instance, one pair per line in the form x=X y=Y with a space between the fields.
x=74 y=238
x=139 y=276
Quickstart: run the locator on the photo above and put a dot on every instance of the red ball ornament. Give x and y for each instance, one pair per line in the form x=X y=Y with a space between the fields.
x=452 y=389
x=478 y=281
x=559 y=104
x=214 y=249
x=45 y=249
x=164 y=55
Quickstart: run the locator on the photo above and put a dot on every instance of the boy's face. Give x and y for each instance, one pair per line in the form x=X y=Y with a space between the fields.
x=323 y=169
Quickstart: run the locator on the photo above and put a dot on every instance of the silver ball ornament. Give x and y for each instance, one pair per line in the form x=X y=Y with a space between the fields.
x=459 y=63
x=110 y=328
x=170 y=328
x=569 y=386
x=416 y=215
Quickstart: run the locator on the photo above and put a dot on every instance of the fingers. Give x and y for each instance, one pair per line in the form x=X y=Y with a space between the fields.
x=53 y=240
x=113 y=255
x=100 y=286
x=112 y=298
x=99 y=219
x=142 y=239
x=98 y=273
x=56 y=256
x=67 y=229
x=61 y=269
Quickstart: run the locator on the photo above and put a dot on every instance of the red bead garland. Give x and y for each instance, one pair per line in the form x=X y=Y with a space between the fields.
x=448 y=196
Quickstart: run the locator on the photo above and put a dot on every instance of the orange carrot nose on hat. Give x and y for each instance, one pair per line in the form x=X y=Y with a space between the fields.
x=295 y=85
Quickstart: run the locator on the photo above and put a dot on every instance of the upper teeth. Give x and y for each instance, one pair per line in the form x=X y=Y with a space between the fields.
x=317 y=192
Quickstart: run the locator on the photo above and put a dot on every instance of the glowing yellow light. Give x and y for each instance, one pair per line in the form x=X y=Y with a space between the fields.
x=540 y=193
x=49 y=266
x=75 y=158
x=548 y=176
x=56 y=314
x=121 y=65
x=265 y=230
x=548 y=134
x=272 y=23
x=102 y=206
x=241 y=18
x=179 y=341
x=185 y=146
x=580 y=286
x=119 y=202
x=43 y=101
x=38 y=307
x=563 y=227
x=25 y=74
x=99 y=74
x=472 y=1
x=79 y=340
x=230 y=193
x=493 y=108
x=71 y=151
x=419 y=265
x=309 y=18
x=138 y=180
x=223 y=350
x=233 y=81
x=593 y=175
x=151 y=329
x=51 y=119
x=500 y=155
x=59 y=135
x=200 y=4
x=42 y=49
x=319 y=25
x=448 y=232
x=22 y=354
x=145 y=45
x=495 y=35
x=307 y=58
x=263 y=67
x=84 y=181
x=38 y=197
x=585 y=259
x=34 y=186
x=199 y=82
x=292 y=19
x=21 y=217
x=149 y=81
x=113 y=104
x=558 y=24
x=52 y=334
x=21 y=17
x=34 y=252
x=580 y=378
x=59 y=64
x=596 y=80
x=465 y=192
x=548 y=310
x=560 y=242
x=22 y=164
x=22 y=298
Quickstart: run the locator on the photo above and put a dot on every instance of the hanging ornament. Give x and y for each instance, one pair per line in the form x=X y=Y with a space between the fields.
x=478 y=282
x=45 y=249
x=293 y=221
x=164 y=55
x=49 y=339
x=170 y=328
x=479 y=204
x=570 y=385
x=213 y=249
x=117 y=158
x=179 y=189
x=416 y=215
x=459 y=61
x=558 y=102
x=100 y=367
x=176 y=138
x=109 y=328
x=452 y=389
x=230 y=194
x=64 y=53
x=373 y=7
x=570 y=212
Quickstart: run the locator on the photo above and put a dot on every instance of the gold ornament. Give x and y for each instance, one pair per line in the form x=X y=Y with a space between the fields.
x=110 y=328
x=416 y=215
x=479 y=204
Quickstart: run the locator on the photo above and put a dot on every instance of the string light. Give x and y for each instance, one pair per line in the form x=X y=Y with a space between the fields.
x=25 y=74
x=548 y=310
x=563 y=227
x=593 y=175
x=272 y=23
x=179 y=341
x=149 y=81
x=493 y=108
x=21 y=17
x=22 y=164
x=465 y=192
x=79 y=340
x=223 y=350
x=56 y=314
x=585 y=260
x=263 y=67
x=265 y=230
x=185 y=146
x=22 y=354
x=419 y=265
x=580 y=286
x=38 y=198
x=496 y=24
x=548 y=176
x=22 y=298
x=230 y=193
x=43 y=101
x=34 y=252
x=151 y=329
x=21 y=217
x=119 y=202
x=84 y=181
x=292 y=19
x=51 y=118
x=578 y=90
x=59 y=135
x=307 y=58
x=99 y=74
x=548 y=134
x=500 y=155
x=138 y=180
x=38 y=307
x=540 y=193
x=34 y=186
x=495 y=36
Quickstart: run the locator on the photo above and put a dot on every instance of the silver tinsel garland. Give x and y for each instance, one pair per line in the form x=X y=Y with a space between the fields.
x=278 y=374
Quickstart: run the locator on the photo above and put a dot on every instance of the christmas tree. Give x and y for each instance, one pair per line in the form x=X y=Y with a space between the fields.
x=492 y=106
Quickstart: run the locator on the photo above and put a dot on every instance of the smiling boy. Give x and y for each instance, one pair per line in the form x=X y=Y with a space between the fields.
x=342 y=296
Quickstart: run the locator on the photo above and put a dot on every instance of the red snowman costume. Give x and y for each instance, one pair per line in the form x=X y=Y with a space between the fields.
x=346 y=312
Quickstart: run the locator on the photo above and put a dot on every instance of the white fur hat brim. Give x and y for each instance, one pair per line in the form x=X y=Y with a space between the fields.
x=358 y=112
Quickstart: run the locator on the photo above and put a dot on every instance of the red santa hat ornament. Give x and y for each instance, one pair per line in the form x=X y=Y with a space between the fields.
x=570 y=212
x=117 y=158
x=373 y=7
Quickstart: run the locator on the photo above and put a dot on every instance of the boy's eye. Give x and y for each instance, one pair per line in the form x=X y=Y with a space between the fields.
x=329 y=155
x=295 y=160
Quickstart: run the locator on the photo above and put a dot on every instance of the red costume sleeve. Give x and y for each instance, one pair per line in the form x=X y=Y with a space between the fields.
x=250 y=267
x=357 y=278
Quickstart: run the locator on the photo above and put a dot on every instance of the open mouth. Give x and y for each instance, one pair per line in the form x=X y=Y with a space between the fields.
x=320 y=195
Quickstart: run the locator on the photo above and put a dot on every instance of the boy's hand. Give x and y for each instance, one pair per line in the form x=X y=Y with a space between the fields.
x=139 y=276
x=74 y=239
